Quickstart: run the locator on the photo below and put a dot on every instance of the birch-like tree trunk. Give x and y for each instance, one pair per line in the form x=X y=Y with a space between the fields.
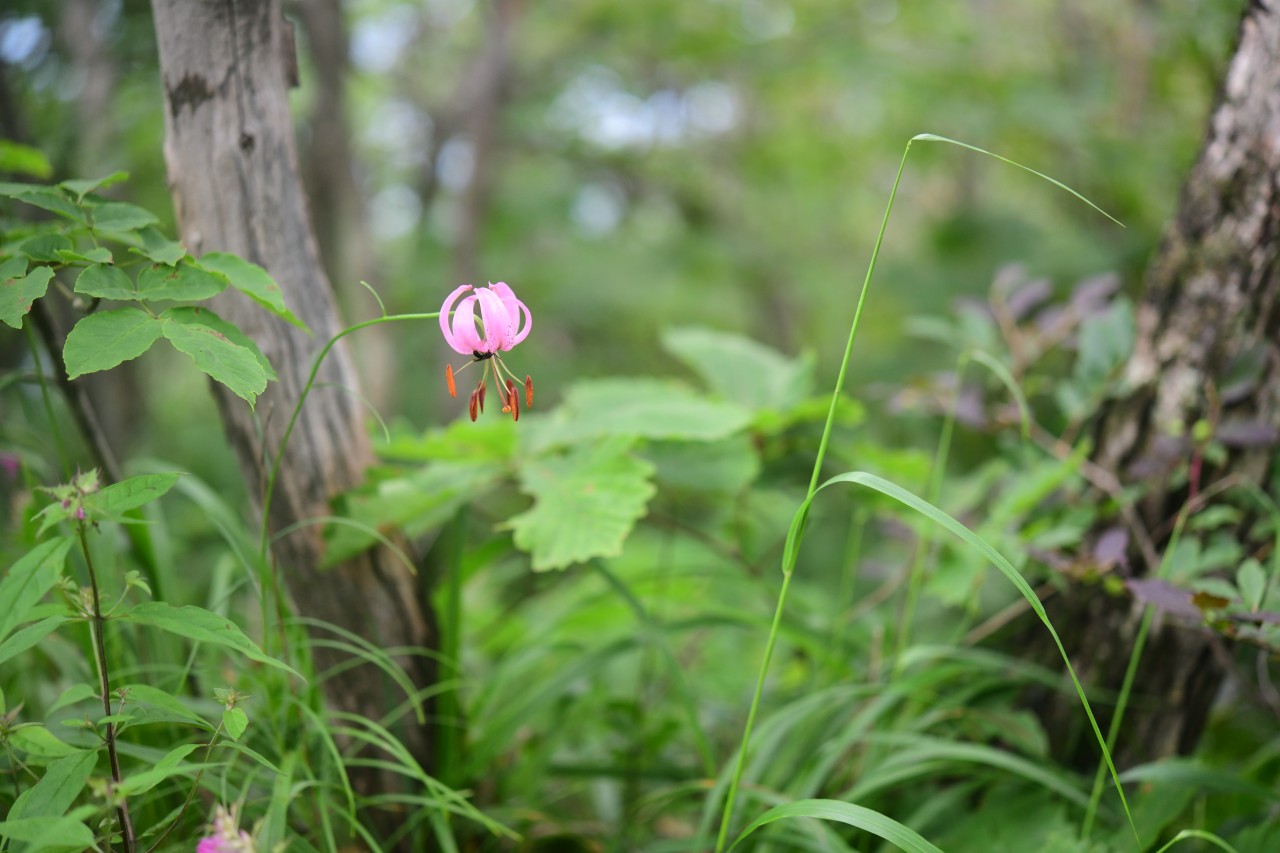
x=233 y=174
x=1211 y=310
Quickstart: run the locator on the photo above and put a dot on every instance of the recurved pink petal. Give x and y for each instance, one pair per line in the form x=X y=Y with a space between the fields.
x=445 y=329
x=498 y=325
x=464 y=337
x=517 y=311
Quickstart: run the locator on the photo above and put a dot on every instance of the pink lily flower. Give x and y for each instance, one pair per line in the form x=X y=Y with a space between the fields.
x=227 y=837
x=504 y=322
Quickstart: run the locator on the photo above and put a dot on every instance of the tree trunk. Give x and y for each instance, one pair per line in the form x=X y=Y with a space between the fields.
x=1211 y=307
x=233 y=173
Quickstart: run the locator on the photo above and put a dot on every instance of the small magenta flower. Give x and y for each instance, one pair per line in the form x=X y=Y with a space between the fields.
x=227 y=837
x=504 y=322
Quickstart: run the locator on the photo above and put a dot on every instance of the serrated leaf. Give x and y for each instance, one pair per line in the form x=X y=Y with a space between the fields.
x=45 y=247
x=170 y=765
x=43 y=833
x=28 y=581
x=183 y=282
x=740 y=369
x=81 y=187
x=157 y=247
x=213 y=352
x=234 y=722
x=25 y=638
x=117 y=216
x=201 y=625
x=201 y=316
x=57 y=789
x=251 y=280
x=107 y=338
x=585 y=503
x=106 y=282
x=17 y=295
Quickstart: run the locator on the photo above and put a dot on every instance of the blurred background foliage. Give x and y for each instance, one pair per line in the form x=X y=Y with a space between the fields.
x=642 y=165
x=635 y=167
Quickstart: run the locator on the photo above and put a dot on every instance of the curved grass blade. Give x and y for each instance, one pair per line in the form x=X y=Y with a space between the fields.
x=865 y=819
x=1006 y=568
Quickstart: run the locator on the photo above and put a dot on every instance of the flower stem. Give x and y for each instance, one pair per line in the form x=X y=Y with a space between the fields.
x=104 y=685
x=789 y=564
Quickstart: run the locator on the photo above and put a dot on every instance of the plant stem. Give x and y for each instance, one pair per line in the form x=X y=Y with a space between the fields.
x=100 y=648
x=789 y=564
x=195 y=786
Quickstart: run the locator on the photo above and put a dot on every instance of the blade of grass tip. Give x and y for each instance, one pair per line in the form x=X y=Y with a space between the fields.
x=1203 y=836
x=375 y=295
x=787 y=567
x=933 y=137
x=1006 y=568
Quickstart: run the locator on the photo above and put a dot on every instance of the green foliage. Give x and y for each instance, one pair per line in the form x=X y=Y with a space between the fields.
x=107 y=338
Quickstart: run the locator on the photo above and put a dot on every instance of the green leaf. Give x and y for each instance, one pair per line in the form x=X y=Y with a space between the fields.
x=726 y=466
x=107 y=282
x=13 y=267
x=117 y=216
x=46 y=198
x=132 y=493
x=157 y=247
x=96 y=255
x=19 y=159
x=644 y=408
x=81 y=187
x=45 y=247
x=585 y=503
x=73 y=694
x=184 y=282
x=17 y=295
x=39 y=744
x=170 y=765
x=28 y=581
x=57 y=789
x=422 y=500
x=153 y=705
x=740 y=369
x=198 y=624
x=251 y=280
x=29 y=636
x=1106 y=342
x=213 y=352
x=43 y=833
x=1252 y=582
x=200 y=316
x=865 y=819
x=234 y=722
x=107 y=338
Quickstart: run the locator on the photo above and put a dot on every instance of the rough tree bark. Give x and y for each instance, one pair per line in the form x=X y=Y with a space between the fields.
x=233 y=174
x=1211 y=301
